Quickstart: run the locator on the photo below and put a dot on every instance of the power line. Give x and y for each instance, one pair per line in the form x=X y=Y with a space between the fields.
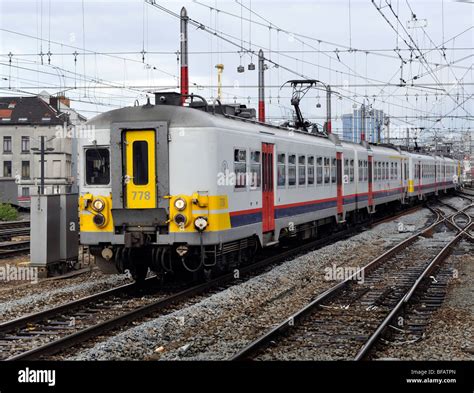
x=270 y=25
x=415 y=46
x=89 y=51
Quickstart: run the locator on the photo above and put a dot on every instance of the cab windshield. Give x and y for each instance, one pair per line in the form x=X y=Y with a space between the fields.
x=97 y=166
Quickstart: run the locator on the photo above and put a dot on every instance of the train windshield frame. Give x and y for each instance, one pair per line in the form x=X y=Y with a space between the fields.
x=97 y=162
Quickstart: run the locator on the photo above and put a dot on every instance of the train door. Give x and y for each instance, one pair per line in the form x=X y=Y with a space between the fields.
x=444 y=176
x=140 y=172
x=403 y=177
x=268 y=197
x=419 y=179
x=340 y=198
x=370 y=196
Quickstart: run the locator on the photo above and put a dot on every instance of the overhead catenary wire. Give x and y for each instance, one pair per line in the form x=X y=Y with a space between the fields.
x=389 y=94
x=413 y=44
x=272 y=26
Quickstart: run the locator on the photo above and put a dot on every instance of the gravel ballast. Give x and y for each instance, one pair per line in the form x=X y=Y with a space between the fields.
x=223 y=323
x=44 y=295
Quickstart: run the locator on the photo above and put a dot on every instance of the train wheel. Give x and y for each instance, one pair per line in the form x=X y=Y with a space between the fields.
x=140 y=273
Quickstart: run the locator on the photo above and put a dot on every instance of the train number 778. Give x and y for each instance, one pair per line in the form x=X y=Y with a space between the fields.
x=140 y=195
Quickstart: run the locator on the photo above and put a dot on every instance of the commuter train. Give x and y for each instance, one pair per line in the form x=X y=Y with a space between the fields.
x=200 y=189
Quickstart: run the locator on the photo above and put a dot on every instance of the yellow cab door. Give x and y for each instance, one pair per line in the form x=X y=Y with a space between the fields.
x=140 y=179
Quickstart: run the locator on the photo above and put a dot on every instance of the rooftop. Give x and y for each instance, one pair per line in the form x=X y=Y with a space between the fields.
x=28 y=110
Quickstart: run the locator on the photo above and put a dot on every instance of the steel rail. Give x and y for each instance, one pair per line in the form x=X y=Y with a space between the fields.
x=121 y=320
x=438 y=259
x=329 y=293
x=144 y=311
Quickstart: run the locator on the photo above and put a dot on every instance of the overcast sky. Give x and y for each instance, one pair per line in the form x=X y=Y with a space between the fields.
x=113 y=33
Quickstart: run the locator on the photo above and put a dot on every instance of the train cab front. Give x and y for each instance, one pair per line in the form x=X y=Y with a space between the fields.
x=120 y=216
x=128 y=218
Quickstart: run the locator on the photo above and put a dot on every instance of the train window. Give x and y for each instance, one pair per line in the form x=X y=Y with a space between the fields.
x=240 y=168
x=97 y=166
x=346 y=168
x=310 y=170
x=292 y=170
x=376 y=171
x=366 y=170
x=327 y=170
x=255 y=171
x=333 y=171
x=351 y=171
x=301 y=170
x=319 y=170
x=359 y=171
x=140 y=163
x=281 y=170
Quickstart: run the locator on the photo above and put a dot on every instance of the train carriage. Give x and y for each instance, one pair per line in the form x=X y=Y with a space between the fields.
x=174 y=188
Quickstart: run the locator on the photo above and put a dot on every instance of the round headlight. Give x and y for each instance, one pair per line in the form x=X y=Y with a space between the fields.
x=98 y=205
x=99 y=220
x=180 y=220
x=180 y=204
x=200 y=223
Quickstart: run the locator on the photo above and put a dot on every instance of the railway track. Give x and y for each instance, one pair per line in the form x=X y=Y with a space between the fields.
x=348 y=319
x=5 y=225
x=8 y=249
x=9 y=230
x=8 y=234
x=468 y=192
x=54 y=330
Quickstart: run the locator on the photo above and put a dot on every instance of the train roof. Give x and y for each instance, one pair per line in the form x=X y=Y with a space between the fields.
x=179 y=116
